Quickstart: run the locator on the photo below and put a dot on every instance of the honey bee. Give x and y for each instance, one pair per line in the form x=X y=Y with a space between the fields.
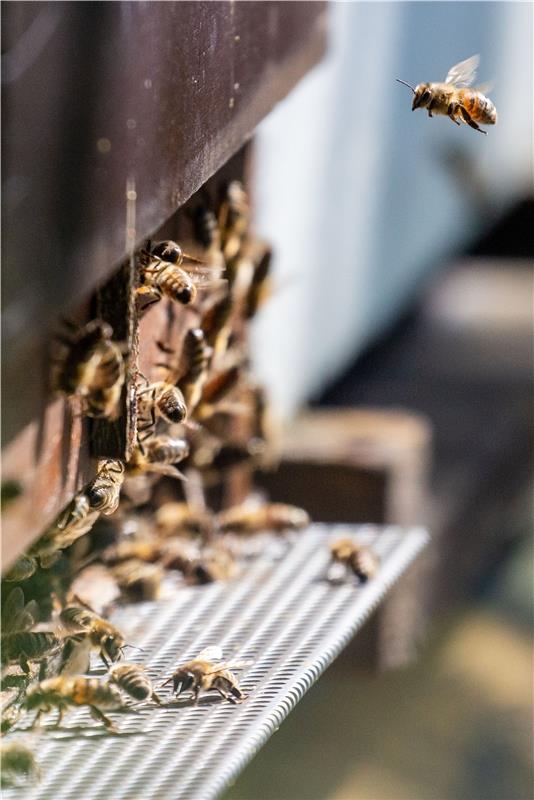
x=466 y=105
x=159 y=454
x=133 y=679
x=23 y=568
x=91 y=366
x=74 y=658
x=259 y=289
x=355 y=557
x=19 y=643
x=216 y=324
x=164 y=273
x=147 y=550
x=104 y=490
x=198 y=356
x=17 y=762
x=63 y=692
x=207 y=232
x=277 y=517
x=137 y=580
x=74 y=521
x=105 y=638
x=215 y=564
x=203 y=673
x=234 y=218
x=175 y=519
x=159 y=400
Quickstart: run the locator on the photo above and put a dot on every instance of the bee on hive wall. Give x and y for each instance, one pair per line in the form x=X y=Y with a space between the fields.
x=454 y=99
x=90 y=366
x=163 y=272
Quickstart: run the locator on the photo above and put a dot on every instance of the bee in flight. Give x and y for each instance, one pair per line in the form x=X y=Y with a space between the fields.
x=454 y=99
x=208 y=671
x=164 y=273
x=19 y=643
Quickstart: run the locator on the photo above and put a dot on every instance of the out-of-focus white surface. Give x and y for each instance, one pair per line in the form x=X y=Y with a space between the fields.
x=360 y=197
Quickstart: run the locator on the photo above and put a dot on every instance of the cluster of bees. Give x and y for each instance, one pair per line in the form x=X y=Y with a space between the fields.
x=201 y=417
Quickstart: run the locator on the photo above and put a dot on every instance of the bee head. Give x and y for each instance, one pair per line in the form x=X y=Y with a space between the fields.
x=422 y=96
x=112 y=646
x=168 y=251
x=182 y=681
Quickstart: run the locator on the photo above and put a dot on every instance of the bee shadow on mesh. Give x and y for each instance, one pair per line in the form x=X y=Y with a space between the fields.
x=87 y=732
x=188 y=702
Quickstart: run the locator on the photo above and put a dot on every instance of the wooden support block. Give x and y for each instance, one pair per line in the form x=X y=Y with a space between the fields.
x=365 y=465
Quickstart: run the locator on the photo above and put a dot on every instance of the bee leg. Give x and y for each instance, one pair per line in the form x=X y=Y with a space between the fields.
x=452 y=111
x=98 y=715
x=104 y=659
x=59 y=717
x=37 y=721
x=23 y=663
x=196 y=692
x=156 y=699
x=471 y=122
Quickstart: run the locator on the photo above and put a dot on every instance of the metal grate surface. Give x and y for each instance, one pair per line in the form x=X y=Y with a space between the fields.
x=281 y=612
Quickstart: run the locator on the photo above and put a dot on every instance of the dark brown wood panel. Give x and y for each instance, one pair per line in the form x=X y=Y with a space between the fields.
x=96 y=94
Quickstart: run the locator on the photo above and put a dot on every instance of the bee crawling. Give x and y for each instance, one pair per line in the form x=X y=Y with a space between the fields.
x=203 y=673
x=63 y=692
x=105 y=638
x=360 y=560
x=277 y=517
x=133 y=679
x=104 y=490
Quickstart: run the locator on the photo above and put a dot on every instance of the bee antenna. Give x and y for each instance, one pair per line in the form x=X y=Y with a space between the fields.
x=406 y=84
x=134 y=647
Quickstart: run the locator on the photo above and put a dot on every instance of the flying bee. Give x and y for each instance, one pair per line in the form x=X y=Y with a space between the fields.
x=164 y=273
x=74 y=521
x=203 y=673
x=91 y=366
x=234 y=218
x=104 y=490
x=63 y=692
x=74 y=658
x=159 y=454
x=133 y=679
x=159 y=400
x=23 y=568
x=198 y=358
x=466 y=105
x=19 y=644
x=17 y=762
x=277 y=517
x=105 y=638
x=358 y=559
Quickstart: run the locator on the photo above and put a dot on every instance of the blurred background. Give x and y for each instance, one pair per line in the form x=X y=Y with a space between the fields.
x=404 y=263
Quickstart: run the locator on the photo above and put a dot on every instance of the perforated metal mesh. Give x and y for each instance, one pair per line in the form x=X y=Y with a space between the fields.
x=281 y=612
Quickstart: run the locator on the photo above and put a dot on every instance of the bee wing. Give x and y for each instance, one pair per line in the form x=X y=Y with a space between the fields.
x=485 y=88
x=12 y=607
x=239 y=663
x=464 y=73
x=166 y=469
x=211 y=653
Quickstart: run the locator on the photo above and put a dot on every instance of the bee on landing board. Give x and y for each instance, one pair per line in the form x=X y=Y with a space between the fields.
x=62 y=692
x=454 y=99
x=133 y=679
x=207 y=671
x=105 y=638
x=360 y=560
